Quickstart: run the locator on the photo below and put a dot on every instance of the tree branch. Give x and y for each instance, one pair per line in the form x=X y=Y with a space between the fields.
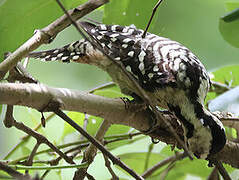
x=177 y=156
x=96 y=143
x=13 y=172
x=48 y=33
x=37 y=96
x=91 y=151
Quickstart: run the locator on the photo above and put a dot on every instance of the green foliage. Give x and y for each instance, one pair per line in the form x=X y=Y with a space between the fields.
x=179 y=20
x=21 y=18
x=78 y=118
x=227 y=75
x=128 y=12
x=137 y=160
x=229 y=28
x=4 y=176
x=186 y=165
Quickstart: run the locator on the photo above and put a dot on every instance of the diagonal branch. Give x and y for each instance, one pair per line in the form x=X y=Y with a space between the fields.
x=46 y=34
x=41 y=139
x=114 y=159
x=15 y=174
x=177 y=156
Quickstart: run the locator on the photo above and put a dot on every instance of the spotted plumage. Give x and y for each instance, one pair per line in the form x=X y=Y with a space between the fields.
x=171 y=75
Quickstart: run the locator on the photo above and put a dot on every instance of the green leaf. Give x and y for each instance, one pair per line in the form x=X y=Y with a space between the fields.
x=25 y=150
x=229 y=30
x=121 y=143
x=186 y=167
x=226 y=74
x=4 y=175
x=110 y=92
x=95 y=122
x=20 y=20
x=136 y=161
x=134 y=155
x=126 y=12
x=232 y=5
x=118 y=15
x=73 y=3
x=75 y=116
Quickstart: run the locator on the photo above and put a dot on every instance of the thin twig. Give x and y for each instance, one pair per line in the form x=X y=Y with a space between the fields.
x=97 y=144
x=102 y=86
x=25 y=139
x=42 y=139
x=30 y=159
x=44 y=174
x=91 y=151
x=12 y=172
x=46 y=34
x=150 y=148
x=219 y=87
x=213 y=175
x=82 y=145
x=151 y=18
x=164 y=174
x=221 y=169
x=89 y=177
x=177 y=156
x=22 y=75
x=18 y=167
x=107 y=164
x=234 y=119
x=9 y=119
x=86 y=119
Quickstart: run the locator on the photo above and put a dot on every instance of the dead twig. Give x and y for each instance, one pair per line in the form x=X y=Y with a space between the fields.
x=151 y=18
x=164 y=174
x=214 y=175
x=219 y=87
x=107 y=164
x=41 y=139
x=114 y=159
x=177 y=156
x=220 y=168
x=91 y=151
x=25 y=139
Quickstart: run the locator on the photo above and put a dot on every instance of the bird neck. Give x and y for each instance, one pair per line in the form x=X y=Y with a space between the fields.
x=202 y=129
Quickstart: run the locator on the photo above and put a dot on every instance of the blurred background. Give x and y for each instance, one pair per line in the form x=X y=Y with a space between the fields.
x=194 y=23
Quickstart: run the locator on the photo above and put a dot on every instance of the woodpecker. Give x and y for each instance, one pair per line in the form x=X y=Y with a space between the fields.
x=171 y=75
